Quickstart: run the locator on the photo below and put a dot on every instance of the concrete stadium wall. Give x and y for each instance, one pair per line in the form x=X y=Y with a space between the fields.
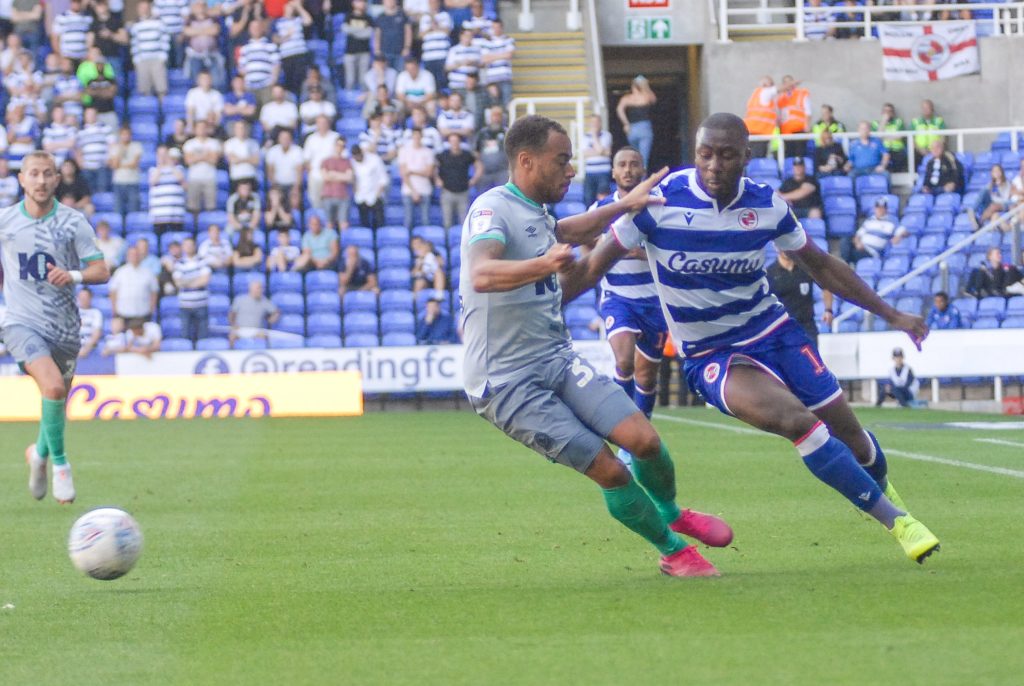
x=848 y=75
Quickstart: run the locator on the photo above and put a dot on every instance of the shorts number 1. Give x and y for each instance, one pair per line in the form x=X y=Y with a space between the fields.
x=808 y=352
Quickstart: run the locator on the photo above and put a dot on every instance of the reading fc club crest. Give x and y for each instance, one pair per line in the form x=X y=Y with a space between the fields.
x=712 y=371
x=748 y=219
x=930 y=51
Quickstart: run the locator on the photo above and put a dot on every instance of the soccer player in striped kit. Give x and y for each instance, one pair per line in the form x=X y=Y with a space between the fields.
x=46 y=249
x=743 y=354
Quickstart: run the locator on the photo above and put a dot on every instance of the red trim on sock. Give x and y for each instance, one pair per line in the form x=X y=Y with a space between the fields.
x=808 y=434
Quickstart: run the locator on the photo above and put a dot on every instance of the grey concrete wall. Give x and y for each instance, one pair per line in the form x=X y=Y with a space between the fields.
x=690 y=22
x=848 y=75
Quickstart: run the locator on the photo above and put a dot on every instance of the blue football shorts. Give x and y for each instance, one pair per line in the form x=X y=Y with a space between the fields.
x=646 y=320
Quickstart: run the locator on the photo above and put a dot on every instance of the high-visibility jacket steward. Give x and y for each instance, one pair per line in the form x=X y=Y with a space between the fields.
x=793 y=110
x=760 y=119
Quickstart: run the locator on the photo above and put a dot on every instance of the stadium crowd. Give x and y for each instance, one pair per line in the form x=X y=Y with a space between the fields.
x=220 y=147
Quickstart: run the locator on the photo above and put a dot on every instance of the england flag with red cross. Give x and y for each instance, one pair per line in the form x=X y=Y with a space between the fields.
x=929 y=53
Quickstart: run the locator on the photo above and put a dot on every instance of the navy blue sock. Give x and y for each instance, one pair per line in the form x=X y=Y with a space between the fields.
x=878 y=467
x=644 y=399
x=831 y=461
x=625 y=382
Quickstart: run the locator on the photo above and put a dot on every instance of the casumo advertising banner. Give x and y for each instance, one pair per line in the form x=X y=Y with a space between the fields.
x=331 y=394
x=383 y=370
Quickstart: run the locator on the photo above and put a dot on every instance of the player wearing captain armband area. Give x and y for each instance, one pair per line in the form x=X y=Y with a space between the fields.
x=46 y=250
x=743 y=354
x=521 y=372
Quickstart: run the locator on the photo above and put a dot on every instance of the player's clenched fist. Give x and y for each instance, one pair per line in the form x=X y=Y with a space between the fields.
x=559 y=256
x=57 y=276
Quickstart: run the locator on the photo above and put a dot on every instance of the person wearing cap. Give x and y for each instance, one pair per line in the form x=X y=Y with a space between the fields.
x=802 y=192
x=634 y=112
x=873 y=236
x=902 y=385
x=433 y=325
x=867 y=153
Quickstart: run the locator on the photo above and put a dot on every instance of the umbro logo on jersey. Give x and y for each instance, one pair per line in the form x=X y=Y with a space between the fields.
x=688 y=216
x=531 y=231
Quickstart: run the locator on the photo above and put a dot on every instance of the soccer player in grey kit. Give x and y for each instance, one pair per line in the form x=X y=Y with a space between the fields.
x=521 y=372
x=46 y=249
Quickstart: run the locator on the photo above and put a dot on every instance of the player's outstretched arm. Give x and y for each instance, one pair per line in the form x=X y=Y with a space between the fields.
x=583 y=274
x=492 y=274
x=834 y=275
x=584 y=228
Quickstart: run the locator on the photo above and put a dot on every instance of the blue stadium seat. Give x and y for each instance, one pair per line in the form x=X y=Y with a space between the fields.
x=362 y=340
x=947 y=202
x=143 y=105
x=835 y=185
x=173 y=106
x=135 y=222
x=323 y=301
x=433 y=234
x=580 y=315
x=321 y=280
x=115 y=221
x=220 y=283
x=219 y=304
x=253 y=344
x=287 y=281
x=146 y=132
x=360 y=322
x=919 y=286
x=768 y=181
x=103 y=202
x=175 y=345
x=763 y=166
x=394 y=278
x=394 y=213
x=397 y=322
x=967 y=306
x=360 y=301
x=868 y=268
x=909 y=304
x=1010 y=162
x=914 y=222
x=866 y=203
x=398 y=257
x=213 y=343
x=396 y=301
x=240 y=281
x=98 y=290
x=906 y=246
x=920 y=261
x=985 y=323
x=170 y=237
x=359 y=236
x=1015 y=307
x=323 y=340
x=168 y=306
x=289 y=302
x=993 y=306
x=940 y=220
x=218 y=217
x=426 y=294
x=178 y=80
x=397 y=339
x=291 y=323
x=392 y=236
x=920 y=201
x=872 y=184
x=583 y=333
x=568 y=208
x=957 y=236
x=1014 y=322
x=897 y=265
x=978 y=180
x=836 y=205
x=841 y=225
x=983 y=161
x=454 y=237
x=170 y=326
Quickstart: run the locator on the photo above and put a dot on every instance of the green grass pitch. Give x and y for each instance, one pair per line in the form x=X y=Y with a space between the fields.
x=427 y=548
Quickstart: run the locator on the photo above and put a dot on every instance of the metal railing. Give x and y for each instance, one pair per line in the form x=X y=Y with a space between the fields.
x=596 y=60
x=1007 y=18
x=577 y=126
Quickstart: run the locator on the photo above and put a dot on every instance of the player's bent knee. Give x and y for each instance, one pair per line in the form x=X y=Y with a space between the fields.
x=637 y=435
x=607 y=471
x=53 y=391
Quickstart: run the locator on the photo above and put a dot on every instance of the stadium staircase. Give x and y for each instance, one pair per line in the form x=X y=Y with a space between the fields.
x=551 y=65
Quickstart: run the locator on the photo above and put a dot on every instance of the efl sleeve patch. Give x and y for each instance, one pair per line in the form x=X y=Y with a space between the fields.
x=483 y=224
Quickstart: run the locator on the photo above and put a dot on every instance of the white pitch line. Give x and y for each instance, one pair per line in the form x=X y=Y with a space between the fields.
x=1015 y=473
x=999 y=441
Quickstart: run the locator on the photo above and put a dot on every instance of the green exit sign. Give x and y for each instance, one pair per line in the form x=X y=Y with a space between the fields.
x=648 y=28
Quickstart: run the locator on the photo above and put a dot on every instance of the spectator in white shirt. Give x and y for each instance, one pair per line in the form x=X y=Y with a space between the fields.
x=91 y=328
x=203 y=103
x=416 y=165
x=371 y=184
x=124 y=159
x=314 y=108
x=416 y=86
x=242 y=153
x=284 y=167
x=280 y=114
x=140 y=337
x=319 y=146
x=873 y=236
x=456 y=119
x=215 y=251
x=133 y=290
x=111 y=246
x=283 y=256
x=202 y=155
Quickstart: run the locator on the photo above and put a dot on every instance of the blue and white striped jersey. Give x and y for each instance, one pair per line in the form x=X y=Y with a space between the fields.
x=437 y=41
x=149 y=40
x=709 y=262
x=186 y=270
x=59 y=134
x=292 y=39
x=470 y=54
x=167 y=196
x=172 y=13
x=94 y=141
x=499 y=70
x=69 y=85
x=257 y=59
x=73 y=29
x=630 y=278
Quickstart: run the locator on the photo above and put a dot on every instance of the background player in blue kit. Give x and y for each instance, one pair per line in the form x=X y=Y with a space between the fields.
x=743 y=353
x=629 y=303
x=43 y=247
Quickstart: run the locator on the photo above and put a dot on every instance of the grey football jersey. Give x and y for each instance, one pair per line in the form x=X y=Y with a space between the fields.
x=62 y=238
x=505 y=332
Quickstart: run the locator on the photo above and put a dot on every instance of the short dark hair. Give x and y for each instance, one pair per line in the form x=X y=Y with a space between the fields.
x=529 y=133
x=942 y=294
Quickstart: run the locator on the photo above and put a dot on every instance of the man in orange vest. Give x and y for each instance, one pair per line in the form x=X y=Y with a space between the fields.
x=794 y=114
x=762 y=116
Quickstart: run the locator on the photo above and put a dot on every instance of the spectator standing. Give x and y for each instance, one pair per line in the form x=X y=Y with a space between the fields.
x=794 y=102
x=252 y=313
x=203 y=103
x=996 y=198
x=215 y=251
x=761 y=115
x=371 y=184
x=393 y=34
x=279 y=114
x=993 y=276
x=247 y=254
x=462 y=62
x=379 y=139
x=192 y=277
x=634 y=112
x=336 y=193
x=245 y=14
x=901 y=385
x=112 y=246
x=478 y=22
x=177 y=138
x=795 y=289
x=867 y=153
x=73 y=190
x=356 y=273
x=260 y=63
x=597 y=160
x=167 y=192
x=433 y=326
x=202 y=155
x=27 y=20
x=435 y=30
x=9 y=188
x=358 y=28
x=802 y=192
x=133 y=290
x=69 y=36
x=319 y=146
x=284 y=163
x=829 y=157
x=22 y=133
x=454 y=180
x=319 y=247
x=873 y=236
x=943 y=315
x=99 y=82
x=380 y=74
x=431 y=136
x=91 y=327
x=202 y=49
x=818 y=21
x=828 y=122
x=496 y=59
x=943 y=172
x=415 y=86
x=124 y=161
x=139 y=337
x=108 y=34
x=165 y=279
x=289 y=34
x=239 y=104
x=173 y=13
x=926 y=127
x=242 y=154
x=68 y=90
x=416 y=165
x=94 y=142
x=889 y=122
x=60 y=137
x=150 y=47
x=283 y=256
x=456 y=119
x=490 y=151
x=146 y=258
x=243 y=208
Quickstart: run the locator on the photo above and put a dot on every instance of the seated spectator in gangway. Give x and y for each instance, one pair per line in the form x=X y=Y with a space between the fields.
x=943 y=315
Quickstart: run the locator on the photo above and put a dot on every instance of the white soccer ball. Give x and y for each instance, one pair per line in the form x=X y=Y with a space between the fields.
x=105 y=543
